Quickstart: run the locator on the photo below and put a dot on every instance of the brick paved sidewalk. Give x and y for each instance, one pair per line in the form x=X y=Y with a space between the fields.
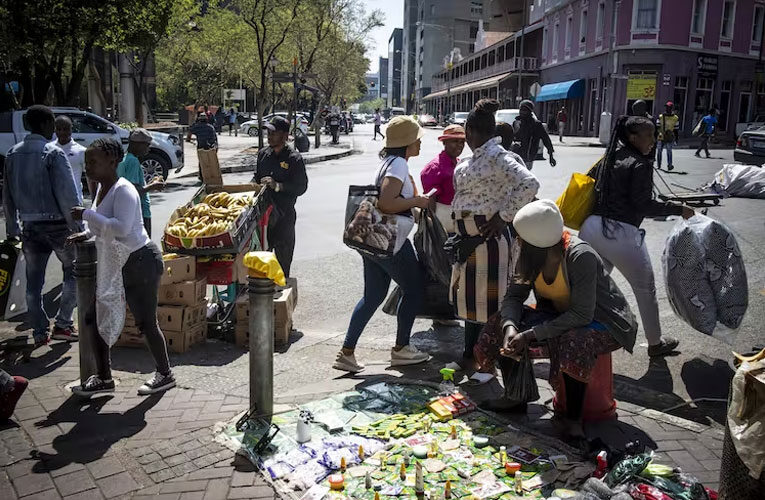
x=161 y=446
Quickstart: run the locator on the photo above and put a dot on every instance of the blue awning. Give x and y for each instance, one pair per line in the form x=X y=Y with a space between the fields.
x=571 y=89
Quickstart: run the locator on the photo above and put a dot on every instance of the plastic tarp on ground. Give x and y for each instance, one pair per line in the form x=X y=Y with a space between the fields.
x=742 y=181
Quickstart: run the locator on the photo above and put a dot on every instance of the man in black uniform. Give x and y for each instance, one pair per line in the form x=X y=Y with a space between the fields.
x=281 y=168
x=528 y=132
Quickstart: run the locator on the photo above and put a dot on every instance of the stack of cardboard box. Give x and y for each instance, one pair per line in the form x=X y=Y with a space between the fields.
x=182 y=310
x=285 y=302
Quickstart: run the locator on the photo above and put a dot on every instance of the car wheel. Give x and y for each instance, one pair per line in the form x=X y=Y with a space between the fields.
x=155 y=165
x=252 y=132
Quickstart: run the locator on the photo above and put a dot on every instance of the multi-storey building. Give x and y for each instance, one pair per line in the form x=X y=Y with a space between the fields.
x=394 y=67
x=409 y=51
x=383 y=69
x=372 y=81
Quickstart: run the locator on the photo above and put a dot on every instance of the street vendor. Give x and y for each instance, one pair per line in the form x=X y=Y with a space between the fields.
x=282 y=170
x=130 y=169
x=578 y=317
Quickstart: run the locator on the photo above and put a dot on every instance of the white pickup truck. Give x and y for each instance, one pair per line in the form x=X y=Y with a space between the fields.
x=165 y=153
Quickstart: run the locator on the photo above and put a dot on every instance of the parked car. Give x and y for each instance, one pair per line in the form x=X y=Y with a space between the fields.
x=359 y=119
x=458 y=118
x=750 y=147
x=427 y=121
x=165 y=152
x=759 y=121
x=250 y=127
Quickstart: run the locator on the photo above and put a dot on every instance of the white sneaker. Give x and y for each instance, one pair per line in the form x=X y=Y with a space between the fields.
x=347 y=363
x=407 y=355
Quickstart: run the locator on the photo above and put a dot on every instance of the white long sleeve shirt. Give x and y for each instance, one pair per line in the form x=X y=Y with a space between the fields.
x=119 y=216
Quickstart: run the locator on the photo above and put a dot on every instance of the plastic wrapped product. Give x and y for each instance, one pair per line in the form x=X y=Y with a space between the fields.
x=627 y=468
x=705 y=275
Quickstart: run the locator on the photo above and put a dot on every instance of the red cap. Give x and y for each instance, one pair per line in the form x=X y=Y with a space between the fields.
x=670 y=104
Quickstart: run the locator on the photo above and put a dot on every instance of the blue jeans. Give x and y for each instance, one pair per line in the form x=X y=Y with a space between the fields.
x=405 y=270
x=39 y=240
x=661 y=145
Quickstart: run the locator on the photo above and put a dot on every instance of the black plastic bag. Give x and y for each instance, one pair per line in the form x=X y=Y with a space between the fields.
x=429 y=242
x=435 y=304
x=522 y=385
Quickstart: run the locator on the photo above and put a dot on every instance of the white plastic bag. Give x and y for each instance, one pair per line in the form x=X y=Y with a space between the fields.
x=743 y=181
x=705 y=276
x=110 y=292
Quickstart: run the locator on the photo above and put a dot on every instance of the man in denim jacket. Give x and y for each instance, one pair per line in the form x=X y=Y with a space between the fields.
x=39 y=192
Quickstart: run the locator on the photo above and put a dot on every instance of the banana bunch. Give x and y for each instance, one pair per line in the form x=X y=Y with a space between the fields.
x=214 y=215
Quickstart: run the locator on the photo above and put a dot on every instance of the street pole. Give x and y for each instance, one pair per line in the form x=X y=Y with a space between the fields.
x=261 y=329
x=85 y=274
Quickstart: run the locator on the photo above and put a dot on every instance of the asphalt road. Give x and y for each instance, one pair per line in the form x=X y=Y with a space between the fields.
x=331 y=282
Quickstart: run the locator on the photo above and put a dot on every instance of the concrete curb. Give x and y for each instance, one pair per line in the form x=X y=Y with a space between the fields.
x=683 y=146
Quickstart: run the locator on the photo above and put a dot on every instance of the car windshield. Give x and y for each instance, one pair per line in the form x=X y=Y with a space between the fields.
x=506 y=116
x=460 y=116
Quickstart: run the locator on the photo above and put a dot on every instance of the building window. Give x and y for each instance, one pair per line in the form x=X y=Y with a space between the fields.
x=601 y=20
x=680 y=96
x=556 y=38
x=569 y=32
x=728 y=16
x=583 y=28
x=699 y=17
x=646 y=14
x=759 y=16
x=501 y=54
x=725 y=92
x=473 y=30
x=471 y=48
x=476 y=8
x=432 y=10
x=545 y=43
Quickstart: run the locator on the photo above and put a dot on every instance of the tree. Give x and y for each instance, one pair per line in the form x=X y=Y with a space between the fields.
x=369 y=107
x=340 y=69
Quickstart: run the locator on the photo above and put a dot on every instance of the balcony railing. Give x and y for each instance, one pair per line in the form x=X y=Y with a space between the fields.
x=506 y=66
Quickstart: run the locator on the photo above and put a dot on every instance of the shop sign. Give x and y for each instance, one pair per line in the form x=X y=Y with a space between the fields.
x=666 y=80
x=706 y=65
x=641 y=87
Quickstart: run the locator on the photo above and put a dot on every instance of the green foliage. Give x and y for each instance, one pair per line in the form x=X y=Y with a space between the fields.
x=370 y=106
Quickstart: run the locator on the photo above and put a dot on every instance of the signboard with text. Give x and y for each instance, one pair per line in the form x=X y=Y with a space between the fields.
x=706 y=66
x=641 y=87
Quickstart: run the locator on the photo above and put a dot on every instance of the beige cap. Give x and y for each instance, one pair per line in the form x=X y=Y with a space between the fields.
x=539 y=223
x=402 y=131
x=140 y=135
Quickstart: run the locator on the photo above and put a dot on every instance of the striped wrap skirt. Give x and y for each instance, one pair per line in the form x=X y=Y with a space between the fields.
x=479 y=284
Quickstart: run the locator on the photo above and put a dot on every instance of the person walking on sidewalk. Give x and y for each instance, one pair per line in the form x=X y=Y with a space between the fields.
x=378 y=123
x=39 y=193
x=398 y=196
x=232 y=124
x=562 y=118
x=207 y=150
x=438 y=174
x=281 y=168
x=118 y=216
x=668 y=124
x=708 y=128
x=624 y=191
x=528 y=132
x=131 y=170
x=489 y=188
x=580 y=313
x=74 y=152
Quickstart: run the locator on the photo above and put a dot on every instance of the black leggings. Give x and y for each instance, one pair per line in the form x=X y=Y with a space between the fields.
x=140 y=277
x=574 y=397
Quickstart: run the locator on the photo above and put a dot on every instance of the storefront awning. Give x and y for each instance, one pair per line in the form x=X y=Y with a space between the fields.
x=571 y=89
x=477 y=85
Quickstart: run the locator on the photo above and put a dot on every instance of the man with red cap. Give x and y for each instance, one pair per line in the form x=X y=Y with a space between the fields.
x=667 y=125
x=439 y=174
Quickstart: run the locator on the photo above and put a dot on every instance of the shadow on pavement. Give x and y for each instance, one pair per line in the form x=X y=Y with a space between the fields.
x=15 y=358
x=138 y=359
x=93 y=433
x=50 y=305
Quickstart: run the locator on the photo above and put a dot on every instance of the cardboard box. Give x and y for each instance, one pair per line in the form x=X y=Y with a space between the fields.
x=179 y=269
x=187 y=293
x=180 y=342
x=284 y=305
x=130 y=338
x=282 y=332
x=181 y=318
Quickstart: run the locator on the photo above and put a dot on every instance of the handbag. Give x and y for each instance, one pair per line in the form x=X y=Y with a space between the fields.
x=367 y=229
x=577 y=202
x=697 y=128
x=459 y=248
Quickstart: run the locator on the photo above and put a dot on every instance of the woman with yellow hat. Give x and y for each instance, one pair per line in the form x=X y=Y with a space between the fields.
x=398 y=196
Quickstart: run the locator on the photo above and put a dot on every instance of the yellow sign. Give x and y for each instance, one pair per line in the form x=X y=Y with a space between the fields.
x=641 y=87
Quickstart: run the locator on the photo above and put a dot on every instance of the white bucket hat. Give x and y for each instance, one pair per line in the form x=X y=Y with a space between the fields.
x=539 y=223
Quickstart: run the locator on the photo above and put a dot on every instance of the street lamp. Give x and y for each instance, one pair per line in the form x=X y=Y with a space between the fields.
x=273 y=62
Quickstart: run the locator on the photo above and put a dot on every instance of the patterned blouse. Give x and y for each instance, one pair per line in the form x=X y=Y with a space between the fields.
x=492 y=181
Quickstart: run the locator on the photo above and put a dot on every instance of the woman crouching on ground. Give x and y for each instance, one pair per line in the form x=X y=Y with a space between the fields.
x=117 y=216
x=580 y=312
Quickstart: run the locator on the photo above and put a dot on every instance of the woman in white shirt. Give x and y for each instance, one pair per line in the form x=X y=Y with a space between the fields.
x=397 y=196
x=490 y=187
x=118 y=217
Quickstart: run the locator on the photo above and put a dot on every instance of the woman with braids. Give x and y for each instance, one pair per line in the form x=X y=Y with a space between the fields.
x=490 y=187
x=117 y=216
x=624 y=198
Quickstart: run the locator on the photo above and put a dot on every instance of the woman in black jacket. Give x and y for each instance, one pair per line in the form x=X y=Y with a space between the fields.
x=624 y=198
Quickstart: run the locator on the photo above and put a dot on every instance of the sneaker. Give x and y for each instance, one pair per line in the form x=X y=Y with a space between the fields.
x=92 y=386
x=407 y=355
x=41 y=341
x=666 y=346
x=65 y=334
x=697 y=154
x=347 y=363
x=157 y=383
x=670 y=167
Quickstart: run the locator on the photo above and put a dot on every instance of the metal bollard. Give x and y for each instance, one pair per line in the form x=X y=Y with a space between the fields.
x=85 y=274
x=262 y=347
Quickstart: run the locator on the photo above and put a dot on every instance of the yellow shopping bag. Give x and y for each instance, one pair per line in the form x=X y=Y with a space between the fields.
x=578 y=200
